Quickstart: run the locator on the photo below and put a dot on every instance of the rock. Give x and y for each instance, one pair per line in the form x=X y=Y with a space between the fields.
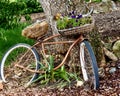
x=110 y=54
x=79 y=83
x=116 y=48
x=112 y=70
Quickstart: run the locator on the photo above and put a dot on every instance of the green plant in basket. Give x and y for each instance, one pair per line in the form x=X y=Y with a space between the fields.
x=72 y=20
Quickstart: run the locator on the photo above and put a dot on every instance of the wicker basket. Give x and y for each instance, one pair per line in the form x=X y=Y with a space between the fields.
x=78 y=30
x=35 y=30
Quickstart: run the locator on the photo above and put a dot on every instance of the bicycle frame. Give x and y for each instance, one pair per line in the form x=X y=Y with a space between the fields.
x=46 y=42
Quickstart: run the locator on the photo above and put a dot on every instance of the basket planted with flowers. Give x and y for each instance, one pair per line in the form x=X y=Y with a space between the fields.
x=75 y=24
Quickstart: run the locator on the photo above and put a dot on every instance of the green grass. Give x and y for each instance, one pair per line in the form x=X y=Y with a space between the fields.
x=12 y=0
x=11 y=37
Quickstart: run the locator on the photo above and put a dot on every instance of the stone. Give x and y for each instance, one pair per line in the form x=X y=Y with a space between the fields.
x=112 y=70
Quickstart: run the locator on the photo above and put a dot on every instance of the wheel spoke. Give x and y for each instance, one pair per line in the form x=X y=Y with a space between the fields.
x=20 y=63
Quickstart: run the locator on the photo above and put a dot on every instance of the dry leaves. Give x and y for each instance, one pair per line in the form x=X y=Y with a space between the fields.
x=1 y=85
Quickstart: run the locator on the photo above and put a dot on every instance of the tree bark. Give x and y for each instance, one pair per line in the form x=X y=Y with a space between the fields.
x=48 y=13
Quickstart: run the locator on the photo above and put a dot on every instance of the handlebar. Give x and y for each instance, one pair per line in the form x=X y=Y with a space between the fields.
x=89 y=13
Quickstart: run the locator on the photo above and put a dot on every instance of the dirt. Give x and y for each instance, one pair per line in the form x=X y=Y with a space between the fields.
x=109 y=86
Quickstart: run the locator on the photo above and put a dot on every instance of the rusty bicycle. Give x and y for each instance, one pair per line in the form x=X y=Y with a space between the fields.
x=23 y=61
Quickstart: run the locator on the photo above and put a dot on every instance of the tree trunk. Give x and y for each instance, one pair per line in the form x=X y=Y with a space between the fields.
x=48 y=13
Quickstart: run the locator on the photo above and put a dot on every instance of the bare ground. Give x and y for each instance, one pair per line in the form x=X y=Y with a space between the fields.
x=109 y=86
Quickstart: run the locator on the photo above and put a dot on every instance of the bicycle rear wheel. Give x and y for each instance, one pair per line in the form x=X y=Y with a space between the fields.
x=17 y=63
x=89 y=65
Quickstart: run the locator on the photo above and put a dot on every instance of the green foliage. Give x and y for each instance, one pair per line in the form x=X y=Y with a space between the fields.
x=12 y=36
x=51 y=76
x=27 y=17
x=33 y=6
x=11 y=12
x=67 y=22
x=62 y=23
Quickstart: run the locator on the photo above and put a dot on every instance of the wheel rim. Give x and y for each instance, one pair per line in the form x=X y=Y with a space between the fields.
x=9 y=71
x=86 y=66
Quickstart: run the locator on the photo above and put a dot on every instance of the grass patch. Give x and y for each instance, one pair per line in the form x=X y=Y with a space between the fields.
x=10 y=37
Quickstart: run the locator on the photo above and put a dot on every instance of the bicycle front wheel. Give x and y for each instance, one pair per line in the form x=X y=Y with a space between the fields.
x=19 y=63
x=89 y=65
